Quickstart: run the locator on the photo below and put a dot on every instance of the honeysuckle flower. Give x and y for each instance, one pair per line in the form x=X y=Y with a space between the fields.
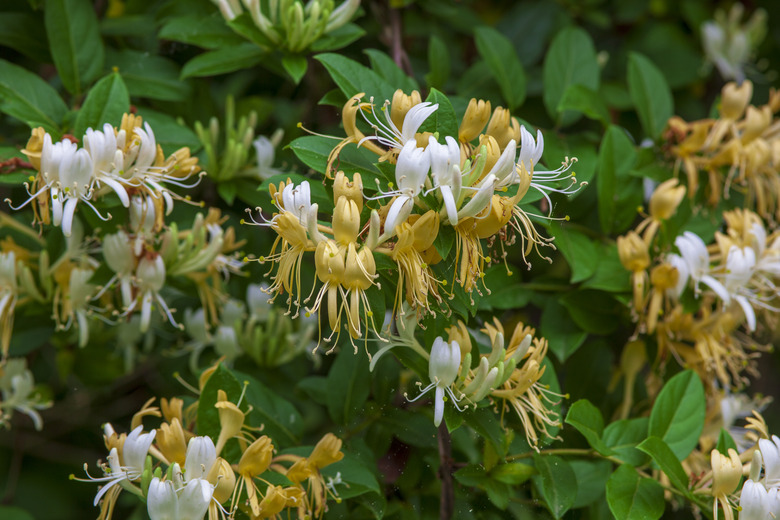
x=697 y=259
x=739 y=270
x=753 y=501
x=201 y=456
x=770 y=452
x=728 y=42
x=388 y=135
x=190 y=502
x=265 y=154
x=150 y=279
x=129 y=467
x=17 y=388
x=8 y=296
x=443 y=368
x=474 y=120
x=726 y=474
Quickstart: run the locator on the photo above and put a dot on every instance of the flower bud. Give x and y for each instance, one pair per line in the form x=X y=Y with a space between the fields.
x=474 y=120
x=171 y=442
x=726 y=472
x=734 y=99
x=401 y=105
x=346 y=221
x=256 y=458
x=492 y=150
x=503 y=128
x=460 y=334
x=665 y=199
x=223 y=479
x=326 y=452
x=352 y=190
x=231 y=420
x=34 y=146
x=329 y=261
x=633 y=252
x=150 y=273
x=273 y=502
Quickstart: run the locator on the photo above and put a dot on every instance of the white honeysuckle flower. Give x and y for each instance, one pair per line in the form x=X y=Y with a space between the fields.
x=265 y=154
x=694 y=253
x=120 y=258
x=76 y=184
x=480 y=200
x=142 y=215
x=530 y=151
x=131 y=467
x=753 y=501
x=179 y=499
x=257 y=301
x=297 y=200
x=770 y=452
x=106 y=156
x=446 y=174
x=683 y=272
x=411 y=170
x=388 y=134
x=200 y=457
x=17 y=388
x=767 y=259
x=740 y=264
x=226 y=342
x=150 y=279
x=9 y=291
x=443 y=368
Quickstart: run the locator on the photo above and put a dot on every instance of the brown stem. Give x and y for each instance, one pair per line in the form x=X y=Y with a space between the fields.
x=396 y=42
x=447 y=500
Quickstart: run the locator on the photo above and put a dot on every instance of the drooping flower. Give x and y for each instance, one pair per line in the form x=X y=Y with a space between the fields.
x=443 y=368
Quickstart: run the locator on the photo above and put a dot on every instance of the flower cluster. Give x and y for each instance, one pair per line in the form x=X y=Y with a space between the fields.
x=509 y=375
x=439 y=190
x=181 y=474
x=142 y=255
x=733 y=280
x=739 y=151
x=290 y=24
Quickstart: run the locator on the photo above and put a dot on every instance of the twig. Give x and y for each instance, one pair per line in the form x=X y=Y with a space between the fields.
x=447 y=499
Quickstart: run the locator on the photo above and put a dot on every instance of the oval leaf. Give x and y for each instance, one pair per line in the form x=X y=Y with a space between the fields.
x=678 y=414
x=650 y=93
x=633 y=498
x=500 y=56
x=106 y=102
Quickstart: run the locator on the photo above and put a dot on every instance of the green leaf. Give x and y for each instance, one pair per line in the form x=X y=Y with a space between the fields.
x=488 y=426
x=561 y=332
x=558 y=483
x=631 y=497
x=208 y=414
x=650 y=93
x=512 y=473
x=593 y=311
x=224 y=60
x=339 y=38
x=571 y=60
x=386 y=67
x=610 y=274
x=580 y=98
x=592 y=476
x=22 y=32
x=357 y=477
x=616 y=158
x=150 y=76
x=353 y=78
x=438 y=63
x=506 y=291
x=580 y=252
x=471 y=475
x=348 y=384
x=280 y=419
x=725 y=442
x=106 y=102
x=14 y=513
x=313 y=151
x=170 y=133
x=623 y=436
x=295 y=65
x=667 y=461
x=444 y=241
x=245 y=26
x=28 y=98
x=587 y=419
x=443 y=120
x=677 y=416
x=500 y=56
x=74 y=42
x=207 y=32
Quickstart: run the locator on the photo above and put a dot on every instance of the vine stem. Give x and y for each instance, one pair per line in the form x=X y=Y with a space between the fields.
x=447 y=499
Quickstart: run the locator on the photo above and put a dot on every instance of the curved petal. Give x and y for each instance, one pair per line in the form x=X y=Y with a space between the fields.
x=161 y=500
